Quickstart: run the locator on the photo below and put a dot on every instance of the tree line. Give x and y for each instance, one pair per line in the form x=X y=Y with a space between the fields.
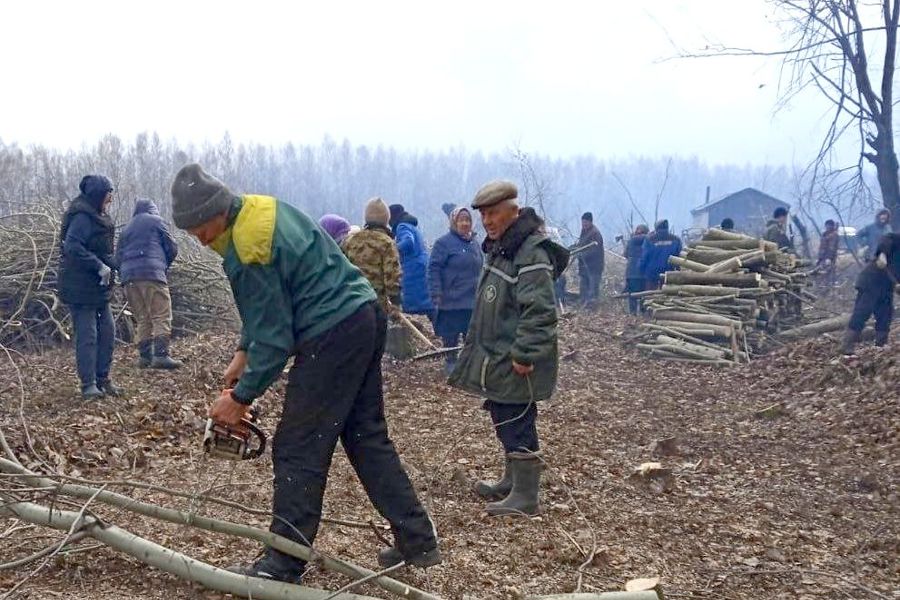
x=338 y=177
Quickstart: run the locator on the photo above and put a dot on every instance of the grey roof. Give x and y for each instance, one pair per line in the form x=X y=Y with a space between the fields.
x=749 y=190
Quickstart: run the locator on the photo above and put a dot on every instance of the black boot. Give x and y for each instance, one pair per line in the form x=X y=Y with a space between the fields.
x=273 y=565
x=109 y=388
x=526 y=477
x=161 y=358
x=145 y=353
x=496 y=490
x=881 y=338
x=848 y=345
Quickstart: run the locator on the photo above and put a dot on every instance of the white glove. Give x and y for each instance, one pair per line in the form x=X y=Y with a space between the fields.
x=104 y=273
x=881 y=261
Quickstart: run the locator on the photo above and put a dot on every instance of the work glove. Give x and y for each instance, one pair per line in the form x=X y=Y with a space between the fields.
x=105 y=274
x=881 y=261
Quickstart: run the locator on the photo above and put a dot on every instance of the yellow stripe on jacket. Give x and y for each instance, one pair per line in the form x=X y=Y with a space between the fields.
x=253 y=231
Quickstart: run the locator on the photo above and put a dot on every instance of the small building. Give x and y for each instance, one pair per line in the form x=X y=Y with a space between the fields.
x=749 y=208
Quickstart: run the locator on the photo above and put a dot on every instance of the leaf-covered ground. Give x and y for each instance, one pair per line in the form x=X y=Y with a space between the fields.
x=783 y=476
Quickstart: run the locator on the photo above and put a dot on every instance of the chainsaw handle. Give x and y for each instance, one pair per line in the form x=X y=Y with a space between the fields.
x=260 y=436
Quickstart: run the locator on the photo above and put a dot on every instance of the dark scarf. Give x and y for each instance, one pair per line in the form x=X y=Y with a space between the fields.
x=509 y=243
x=379 y=227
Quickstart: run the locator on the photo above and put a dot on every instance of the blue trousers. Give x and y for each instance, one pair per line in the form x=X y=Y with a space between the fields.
x=95 y=338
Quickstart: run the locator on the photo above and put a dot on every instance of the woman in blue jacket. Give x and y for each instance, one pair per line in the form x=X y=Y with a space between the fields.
x=453 y=272
x=413 y=263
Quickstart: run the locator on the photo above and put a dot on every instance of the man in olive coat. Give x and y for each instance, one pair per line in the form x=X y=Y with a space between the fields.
x=510 y=355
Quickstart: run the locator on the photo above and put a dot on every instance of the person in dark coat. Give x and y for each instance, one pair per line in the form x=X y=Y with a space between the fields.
x=875 y=287
x=145 y=253
x=778 y=230
x=511 y=354
x=413 y=263
x=657 y=248
x=828 y=251
x=871 y=234
x=634 y=278
x=87 y=262
x=590 y=262
x=727 y=224
x=453 y=271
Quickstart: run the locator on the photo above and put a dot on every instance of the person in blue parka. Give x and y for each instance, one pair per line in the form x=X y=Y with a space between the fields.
x=145 y=253
x=413 y=263
x=658 y=247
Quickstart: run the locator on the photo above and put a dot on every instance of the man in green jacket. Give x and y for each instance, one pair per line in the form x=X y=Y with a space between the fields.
x=298 y=296
x=510 y=355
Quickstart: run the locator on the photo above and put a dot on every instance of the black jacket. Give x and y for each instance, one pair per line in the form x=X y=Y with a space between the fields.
x=592 y=259
x=876 y=280
x=87 y=238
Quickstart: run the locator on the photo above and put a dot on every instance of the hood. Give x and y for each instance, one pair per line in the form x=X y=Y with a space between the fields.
x=336 y=226
x=145 y=206
x=379 y=227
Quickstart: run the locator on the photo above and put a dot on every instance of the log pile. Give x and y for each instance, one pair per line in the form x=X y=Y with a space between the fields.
x=33 y=317
x=729 y=290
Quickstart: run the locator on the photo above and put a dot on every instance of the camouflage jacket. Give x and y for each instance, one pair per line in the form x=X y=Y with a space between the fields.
x=374 y=253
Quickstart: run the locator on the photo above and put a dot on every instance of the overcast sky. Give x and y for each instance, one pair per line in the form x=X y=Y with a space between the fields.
x=561 y=78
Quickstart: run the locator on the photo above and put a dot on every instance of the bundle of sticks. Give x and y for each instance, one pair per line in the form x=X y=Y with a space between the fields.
x=32 y=316
x=728 y=291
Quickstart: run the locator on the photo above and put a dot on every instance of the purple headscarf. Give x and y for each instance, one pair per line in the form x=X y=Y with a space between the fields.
x=337 y=226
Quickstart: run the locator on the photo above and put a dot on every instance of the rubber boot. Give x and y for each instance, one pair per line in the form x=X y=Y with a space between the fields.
x=161 y=358
x=526 y=483
x=848 y=345
x=881 y=338
x=496 y=490
x=145 y=353
x=91 y=392
x=388 y=557
x=109 y=388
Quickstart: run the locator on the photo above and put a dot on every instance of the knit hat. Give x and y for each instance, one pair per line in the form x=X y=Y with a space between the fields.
x=830 y=224
x=780 y=212
x=377 y=212
x=198 y=197
x=727 y=224
x=495 y=192
x=447 y=208
x=587 y=217
x=95 y=188
x=641 y=229
x=336 y=226
x=662 y=224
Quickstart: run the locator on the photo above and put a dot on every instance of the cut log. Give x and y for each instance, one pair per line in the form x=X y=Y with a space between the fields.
x=740 y=280
x=721 y=234
x=699 y=329
x=683 y=263
x=699 y=290
x=826 y=326
x=737 y=262
x=399 y=342
x=678 y=315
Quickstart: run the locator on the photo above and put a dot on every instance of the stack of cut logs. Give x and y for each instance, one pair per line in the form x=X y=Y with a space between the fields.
x=729 y=291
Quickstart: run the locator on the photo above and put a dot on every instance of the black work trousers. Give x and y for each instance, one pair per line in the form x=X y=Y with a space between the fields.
x=335 y=392
x=515 y=425
x=877 y=301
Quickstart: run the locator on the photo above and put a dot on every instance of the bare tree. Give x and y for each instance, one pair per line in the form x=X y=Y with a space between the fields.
x=830 y=48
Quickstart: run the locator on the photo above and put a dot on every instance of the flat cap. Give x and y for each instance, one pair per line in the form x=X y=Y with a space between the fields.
x=495 y=192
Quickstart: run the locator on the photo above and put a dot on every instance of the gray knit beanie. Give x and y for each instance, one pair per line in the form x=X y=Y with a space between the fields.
x=198 y=197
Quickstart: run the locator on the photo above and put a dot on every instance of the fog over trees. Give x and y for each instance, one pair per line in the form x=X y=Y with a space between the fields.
x=338 y=176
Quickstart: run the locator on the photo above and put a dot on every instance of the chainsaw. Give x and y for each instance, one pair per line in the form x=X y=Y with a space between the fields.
x=223 y=441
